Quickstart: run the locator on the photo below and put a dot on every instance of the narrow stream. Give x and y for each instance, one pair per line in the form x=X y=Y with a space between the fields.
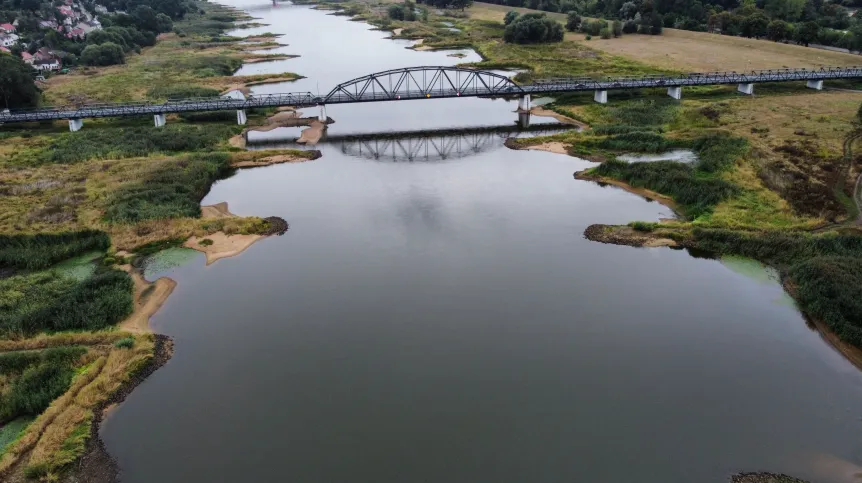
x=446 y=321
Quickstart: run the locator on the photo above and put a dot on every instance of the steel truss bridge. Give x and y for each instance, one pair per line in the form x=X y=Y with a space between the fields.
x=431 y=83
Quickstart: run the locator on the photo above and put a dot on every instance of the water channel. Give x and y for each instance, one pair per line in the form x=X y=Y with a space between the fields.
x=446 y=321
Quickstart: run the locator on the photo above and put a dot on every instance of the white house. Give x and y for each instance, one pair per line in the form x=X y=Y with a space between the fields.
x=47 y=64
x=8 y=40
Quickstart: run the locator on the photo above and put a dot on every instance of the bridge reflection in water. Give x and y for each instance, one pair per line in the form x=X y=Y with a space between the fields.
x=422 y=146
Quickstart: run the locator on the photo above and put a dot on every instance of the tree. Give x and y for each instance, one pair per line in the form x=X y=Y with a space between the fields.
x=108 y=53
x=533 y=28
x=789 y=10
x=778 y=30
x=17 y=88
x=755 y=25
x=656 y=24
x=630 y=27
x=396 y=12
x=145 y=18
x=628 y=10
x=511 y=15
x=98 y=37
x=164 y=23
x=806 y=33
x=617 y=28
x=573 y=21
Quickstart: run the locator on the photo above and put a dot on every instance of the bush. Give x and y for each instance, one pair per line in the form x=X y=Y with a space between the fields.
x=533 y=28
x=34 y=390
x=108 y=53
x=573 y=22
x=698 y=195
x=588 y=37
x=643 y=226
x=172 y=191
x=125 y=343
x=617 y=28
x=605 y=33
x=35 y=252
x=510 y=17
x=396 y=12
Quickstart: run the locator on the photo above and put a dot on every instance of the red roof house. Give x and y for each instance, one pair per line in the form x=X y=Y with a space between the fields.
x=7 y=27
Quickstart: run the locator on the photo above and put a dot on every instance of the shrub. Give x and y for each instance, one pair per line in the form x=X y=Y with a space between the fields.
x=205 y=242
x=698 y=195
x=605 y=33
x=643 y=226
x=533 y=28
x=125 y=343
x=588 y=37
x=573 y=21
x=617 y=28
x=396 y=12
x=174 y=190
x=108 y=53
x=34 y=252
x=510 y=17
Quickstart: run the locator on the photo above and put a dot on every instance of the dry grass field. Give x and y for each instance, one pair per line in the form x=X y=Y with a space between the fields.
x=683 y=50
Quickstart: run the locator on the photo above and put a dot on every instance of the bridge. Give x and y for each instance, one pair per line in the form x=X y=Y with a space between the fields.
x=430 y=83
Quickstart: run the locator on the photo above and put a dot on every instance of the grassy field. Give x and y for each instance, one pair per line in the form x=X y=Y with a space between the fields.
x=683 y=50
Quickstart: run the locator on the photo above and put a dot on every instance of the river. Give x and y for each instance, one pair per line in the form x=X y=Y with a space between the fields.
x=446 y=321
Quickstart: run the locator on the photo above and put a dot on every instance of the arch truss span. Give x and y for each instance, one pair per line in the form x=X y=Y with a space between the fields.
x=423 y=82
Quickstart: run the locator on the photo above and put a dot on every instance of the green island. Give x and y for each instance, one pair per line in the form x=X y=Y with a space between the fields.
x=775 y=180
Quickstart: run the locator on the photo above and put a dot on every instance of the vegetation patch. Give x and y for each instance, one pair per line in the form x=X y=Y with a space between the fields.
x=35 y=252
x=173 y=190
x=46 y=301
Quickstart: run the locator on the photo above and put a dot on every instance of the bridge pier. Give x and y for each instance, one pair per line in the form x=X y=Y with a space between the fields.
x=675 y=92
x=524 y=103
x=75 y=125
x=241 y=117
x=524 y=119
x=160 y=120
x=815 y=84
x=747 y=89
x=322 y=116
x=601 y=97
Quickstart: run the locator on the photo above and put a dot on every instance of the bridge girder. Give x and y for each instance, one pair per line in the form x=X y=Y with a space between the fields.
x=421 y=82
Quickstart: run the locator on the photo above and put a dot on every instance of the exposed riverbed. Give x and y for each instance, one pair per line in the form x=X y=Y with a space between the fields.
x=446 y=321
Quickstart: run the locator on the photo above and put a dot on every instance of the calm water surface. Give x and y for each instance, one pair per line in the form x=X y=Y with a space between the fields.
x=444 y=320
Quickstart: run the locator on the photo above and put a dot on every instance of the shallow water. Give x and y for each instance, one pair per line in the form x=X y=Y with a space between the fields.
x=681 y=155
x=446 y=321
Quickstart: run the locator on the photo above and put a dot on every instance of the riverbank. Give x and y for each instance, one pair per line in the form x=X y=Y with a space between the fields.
x=135 y=190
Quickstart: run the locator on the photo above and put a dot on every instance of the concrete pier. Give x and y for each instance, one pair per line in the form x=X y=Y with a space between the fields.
x=524 y=119
x=747 y=89
x=675 y=92
x=322 y=116
x=601 y=97
x=76 y=124
x=159 y=120
x=815 y=84
x=524 y=103
x=241 y=118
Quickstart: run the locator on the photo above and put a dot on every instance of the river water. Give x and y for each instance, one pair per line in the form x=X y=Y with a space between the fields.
x=440 y=318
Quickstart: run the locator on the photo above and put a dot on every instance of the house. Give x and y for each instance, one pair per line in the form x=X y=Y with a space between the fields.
x=48 y=24
x=47 y=64
x=76 y=34
x=4 y=49
x=7 y=28
x=8 y=40
x=27 y=57
x=101 y=9
x=87 y=27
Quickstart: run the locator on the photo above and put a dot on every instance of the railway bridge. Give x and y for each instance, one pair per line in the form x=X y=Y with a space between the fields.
x=430 y=83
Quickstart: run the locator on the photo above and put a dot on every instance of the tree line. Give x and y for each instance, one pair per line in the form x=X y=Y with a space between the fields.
x=800 y=21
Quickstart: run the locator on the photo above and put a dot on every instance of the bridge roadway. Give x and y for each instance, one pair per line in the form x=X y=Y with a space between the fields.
x=429 y=83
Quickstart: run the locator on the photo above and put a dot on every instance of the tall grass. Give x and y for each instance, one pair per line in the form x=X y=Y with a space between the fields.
x=698 y=195
x=829 y=289
x=644 y=112
x=125 y=142
x=46 y=301
x=34 y=252
x=640 y=141
x=174 y=190
x=37 y=378
x=718 y=151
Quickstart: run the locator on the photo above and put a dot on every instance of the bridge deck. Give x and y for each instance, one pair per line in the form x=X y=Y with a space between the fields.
x=424 y=83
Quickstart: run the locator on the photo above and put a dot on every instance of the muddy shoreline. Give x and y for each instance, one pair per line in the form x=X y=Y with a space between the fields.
x=97 y=465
